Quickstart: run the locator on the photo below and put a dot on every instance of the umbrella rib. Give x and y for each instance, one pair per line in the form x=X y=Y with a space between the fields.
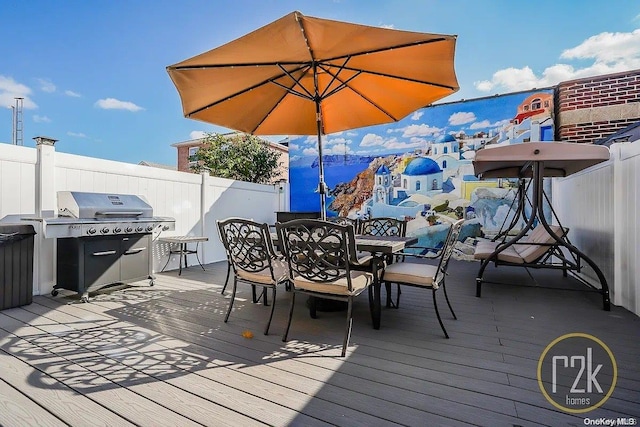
x=385 y=48
x=270 y=80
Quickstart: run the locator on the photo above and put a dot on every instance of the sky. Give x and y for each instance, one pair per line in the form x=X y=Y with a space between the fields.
x=93 y=73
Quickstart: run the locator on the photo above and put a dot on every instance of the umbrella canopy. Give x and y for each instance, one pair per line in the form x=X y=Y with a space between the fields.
x=302 y=75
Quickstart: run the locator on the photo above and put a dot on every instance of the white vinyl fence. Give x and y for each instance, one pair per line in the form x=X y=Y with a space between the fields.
x=31 y=177
x=600 y=207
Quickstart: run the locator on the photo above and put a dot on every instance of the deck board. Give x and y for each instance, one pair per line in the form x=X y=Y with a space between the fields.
x=162 y=355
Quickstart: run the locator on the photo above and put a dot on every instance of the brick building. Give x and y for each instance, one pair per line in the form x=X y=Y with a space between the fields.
x=590 y=109
x=189 y=148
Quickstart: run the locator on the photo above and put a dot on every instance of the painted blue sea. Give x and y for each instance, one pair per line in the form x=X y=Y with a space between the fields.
x=304 y=183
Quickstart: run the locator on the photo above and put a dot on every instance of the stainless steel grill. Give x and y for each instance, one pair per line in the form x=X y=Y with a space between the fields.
x=102 y=239
x=82 y=214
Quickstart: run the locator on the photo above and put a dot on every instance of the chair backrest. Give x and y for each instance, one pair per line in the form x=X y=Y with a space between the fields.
x=343 y=220
x=318 y=251
x=447 y=251
x=383 y=226
x=539 y=242
x=248 y=244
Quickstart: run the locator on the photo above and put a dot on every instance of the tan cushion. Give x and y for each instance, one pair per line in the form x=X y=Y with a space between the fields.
x=532 y=247
x=410 y=272
x=280 y=272
x=508 y=255
x=360 y=280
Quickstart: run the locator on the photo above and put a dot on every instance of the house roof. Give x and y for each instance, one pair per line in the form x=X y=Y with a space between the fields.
x=157 y=165
x=629 y=134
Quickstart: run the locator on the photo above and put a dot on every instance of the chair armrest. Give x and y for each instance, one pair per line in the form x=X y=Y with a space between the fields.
x=425 y=252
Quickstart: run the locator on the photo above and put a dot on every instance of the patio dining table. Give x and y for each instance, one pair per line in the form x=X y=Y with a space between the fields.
x=380 y=248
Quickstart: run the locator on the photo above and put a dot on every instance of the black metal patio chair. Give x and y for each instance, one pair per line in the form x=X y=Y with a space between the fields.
x=320 y=256
x=426 y=276
x=252 y=259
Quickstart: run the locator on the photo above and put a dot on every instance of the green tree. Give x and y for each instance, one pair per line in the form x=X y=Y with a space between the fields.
x=242 y=157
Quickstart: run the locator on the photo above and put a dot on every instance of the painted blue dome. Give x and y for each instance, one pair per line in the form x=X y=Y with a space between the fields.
x=445 y=138
x=422 y=166
x=383 y=170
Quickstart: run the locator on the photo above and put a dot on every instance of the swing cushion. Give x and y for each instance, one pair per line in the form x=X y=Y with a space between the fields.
x=528 y=250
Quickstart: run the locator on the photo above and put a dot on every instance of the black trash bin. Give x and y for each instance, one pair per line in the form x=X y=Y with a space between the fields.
x=16 y=265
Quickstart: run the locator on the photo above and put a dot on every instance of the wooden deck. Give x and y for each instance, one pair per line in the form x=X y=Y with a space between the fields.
x=162 y=356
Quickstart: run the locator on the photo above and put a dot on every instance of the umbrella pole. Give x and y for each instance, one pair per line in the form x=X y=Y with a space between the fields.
x=321 y=184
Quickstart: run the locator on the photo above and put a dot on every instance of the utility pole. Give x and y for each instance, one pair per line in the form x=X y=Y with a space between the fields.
x=18 y=123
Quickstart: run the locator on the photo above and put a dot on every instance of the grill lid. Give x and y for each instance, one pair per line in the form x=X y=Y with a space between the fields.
x=82 y=205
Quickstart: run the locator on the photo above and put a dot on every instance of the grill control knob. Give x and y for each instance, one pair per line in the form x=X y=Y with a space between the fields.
x=128 y=229
x=91 y=231
x=105 y=230
x=165 y=227
x=149 y=227
x=139 y=229
x=117 y=230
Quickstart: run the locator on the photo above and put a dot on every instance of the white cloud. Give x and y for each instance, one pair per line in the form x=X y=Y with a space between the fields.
x=46 y=85
x=197 y=134
x=394 y=144
x=116 y=104
x=293 y=147
x=416 y=115
x=10 y=89
x=337 y=149
x=480 y=125
x=609 y=53
x=461 y=118
x=371 y=140
x=77 y=134
x=72 y=94
x=41 y=119
x=420 y=130
x=311 y=151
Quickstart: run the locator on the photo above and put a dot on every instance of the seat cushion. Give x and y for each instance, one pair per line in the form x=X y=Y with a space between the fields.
x=280 y=272
x=360 y=280
x=509 y=255
x=410 y=272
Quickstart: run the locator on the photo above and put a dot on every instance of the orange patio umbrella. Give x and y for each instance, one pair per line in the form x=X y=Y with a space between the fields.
x=301 y=75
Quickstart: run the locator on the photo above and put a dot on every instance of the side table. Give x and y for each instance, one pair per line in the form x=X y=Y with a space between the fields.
x=183 y=250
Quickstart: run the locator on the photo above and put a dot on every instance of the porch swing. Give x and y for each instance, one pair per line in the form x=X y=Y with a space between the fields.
x=538 y=244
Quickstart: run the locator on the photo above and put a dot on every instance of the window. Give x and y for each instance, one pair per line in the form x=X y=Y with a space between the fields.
x=536 y=104
x=192 y=152
x=446 y=150
x=546 y=104
x=444 y=164
x=404 y=183
x=417 y=185
x=434 y=185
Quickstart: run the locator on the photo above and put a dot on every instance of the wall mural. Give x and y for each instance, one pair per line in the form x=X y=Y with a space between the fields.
x=420 y=168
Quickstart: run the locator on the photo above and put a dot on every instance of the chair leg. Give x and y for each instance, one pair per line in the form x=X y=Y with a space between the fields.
x=435 y=305
x=286 y=331
x=313 y=307
x=444 y=288
x=387 y=286
x=233 y=297
x=273 y=306
x=226 y=280
x=347 y=333
x=398 y=296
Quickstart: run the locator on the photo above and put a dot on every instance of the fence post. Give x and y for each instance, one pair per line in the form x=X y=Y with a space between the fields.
x=46 y=207
x=618 y=228
x=204 y=206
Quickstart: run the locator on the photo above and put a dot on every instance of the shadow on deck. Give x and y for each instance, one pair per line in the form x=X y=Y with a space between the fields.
x=166 y=351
